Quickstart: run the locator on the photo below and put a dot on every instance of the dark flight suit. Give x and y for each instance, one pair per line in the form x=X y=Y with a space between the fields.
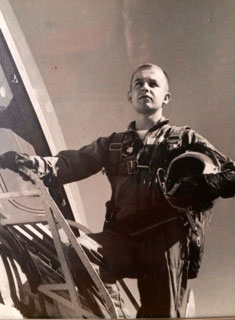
x=157 y=258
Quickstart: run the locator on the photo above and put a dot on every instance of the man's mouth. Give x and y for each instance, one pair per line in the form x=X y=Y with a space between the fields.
x=145 y=97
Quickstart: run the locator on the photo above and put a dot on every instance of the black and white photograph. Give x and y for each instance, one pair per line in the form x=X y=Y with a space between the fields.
x=117 y=172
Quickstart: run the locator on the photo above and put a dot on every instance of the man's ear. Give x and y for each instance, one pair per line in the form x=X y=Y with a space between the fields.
x=129 y=97
x=167 y=98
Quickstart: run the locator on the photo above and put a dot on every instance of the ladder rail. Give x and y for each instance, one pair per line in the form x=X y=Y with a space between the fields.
x=78 y=249
x=55 y=219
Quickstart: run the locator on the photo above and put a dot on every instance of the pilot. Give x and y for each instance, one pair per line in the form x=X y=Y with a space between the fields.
x=144 y=236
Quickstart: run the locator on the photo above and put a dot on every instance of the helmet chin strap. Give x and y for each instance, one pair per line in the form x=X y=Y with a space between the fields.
x=161 y=178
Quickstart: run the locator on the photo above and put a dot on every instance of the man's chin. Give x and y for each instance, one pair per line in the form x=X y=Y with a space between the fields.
x=146 y=110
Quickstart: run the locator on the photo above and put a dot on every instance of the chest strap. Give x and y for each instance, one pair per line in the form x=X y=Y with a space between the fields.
x=171 y=136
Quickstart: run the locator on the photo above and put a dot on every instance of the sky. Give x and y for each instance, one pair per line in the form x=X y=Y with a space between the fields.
x=86 y=51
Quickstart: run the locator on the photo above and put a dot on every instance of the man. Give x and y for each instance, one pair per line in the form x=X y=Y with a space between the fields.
x=144 y=237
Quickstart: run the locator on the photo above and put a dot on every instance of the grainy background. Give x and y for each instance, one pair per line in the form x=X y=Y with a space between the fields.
x=86 y=51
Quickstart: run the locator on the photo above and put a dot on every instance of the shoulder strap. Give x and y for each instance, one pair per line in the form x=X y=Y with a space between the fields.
x=172 y=141
x=115 y=151
x=174 y=136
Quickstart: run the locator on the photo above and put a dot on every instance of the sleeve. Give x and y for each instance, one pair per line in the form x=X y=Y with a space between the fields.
x=221 y=184
x=72 y=165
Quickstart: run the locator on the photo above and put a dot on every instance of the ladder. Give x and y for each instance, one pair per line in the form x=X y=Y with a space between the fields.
x=56 y=221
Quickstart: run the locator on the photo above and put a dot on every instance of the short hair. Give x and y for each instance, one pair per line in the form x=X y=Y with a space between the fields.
x=148 y=66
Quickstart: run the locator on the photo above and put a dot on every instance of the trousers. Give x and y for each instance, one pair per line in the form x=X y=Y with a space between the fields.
x=158 y=261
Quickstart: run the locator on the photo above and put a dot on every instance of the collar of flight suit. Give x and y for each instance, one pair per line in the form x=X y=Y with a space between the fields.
x=157 y=125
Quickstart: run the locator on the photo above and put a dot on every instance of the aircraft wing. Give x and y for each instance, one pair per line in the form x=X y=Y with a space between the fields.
x=29 y=254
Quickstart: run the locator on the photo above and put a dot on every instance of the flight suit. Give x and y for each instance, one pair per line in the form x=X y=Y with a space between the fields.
x=128 y=247
x=143 y=236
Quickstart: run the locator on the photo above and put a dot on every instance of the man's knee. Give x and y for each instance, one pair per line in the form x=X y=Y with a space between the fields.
x=89 y=245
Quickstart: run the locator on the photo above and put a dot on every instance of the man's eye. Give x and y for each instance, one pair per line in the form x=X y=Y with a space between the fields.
x=138 y=84
x=153 y=84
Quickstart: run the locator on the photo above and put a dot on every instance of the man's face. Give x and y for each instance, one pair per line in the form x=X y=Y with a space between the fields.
x=149 y=90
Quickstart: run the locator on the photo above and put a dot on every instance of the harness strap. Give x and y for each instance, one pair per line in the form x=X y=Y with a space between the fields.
x=154 y=226
x=115 y=151
x=172 y=136
x=175 y=135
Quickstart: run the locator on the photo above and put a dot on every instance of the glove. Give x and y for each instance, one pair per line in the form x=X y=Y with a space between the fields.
x=17 y=162
x=13 y=160
x=222 y=183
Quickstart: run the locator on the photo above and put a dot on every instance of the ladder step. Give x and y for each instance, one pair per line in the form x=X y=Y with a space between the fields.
x=16 y=194
x=23 y=219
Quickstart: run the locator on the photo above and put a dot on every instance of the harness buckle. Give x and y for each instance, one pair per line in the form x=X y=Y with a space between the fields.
x=114 y=146
x=173 y=142
x=132 y=167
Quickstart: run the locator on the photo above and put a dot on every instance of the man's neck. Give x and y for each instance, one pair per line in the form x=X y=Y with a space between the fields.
x=145 y=122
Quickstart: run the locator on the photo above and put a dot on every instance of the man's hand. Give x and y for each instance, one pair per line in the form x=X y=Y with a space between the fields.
x=17 y=162
x=200 y=191
x=222 y=183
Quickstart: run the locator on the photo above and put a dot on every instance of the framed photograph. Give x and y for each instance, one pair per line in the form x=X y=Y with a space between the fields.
x=99 y=99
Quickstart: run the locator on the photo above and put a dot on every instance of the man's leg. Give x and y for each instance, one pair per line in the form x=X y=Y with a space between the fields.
x=164 y=278
x=112 y=257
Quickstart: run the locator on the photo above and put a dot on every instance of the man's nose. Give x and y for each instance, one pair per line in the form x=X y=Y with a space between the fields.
x=145 y=87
